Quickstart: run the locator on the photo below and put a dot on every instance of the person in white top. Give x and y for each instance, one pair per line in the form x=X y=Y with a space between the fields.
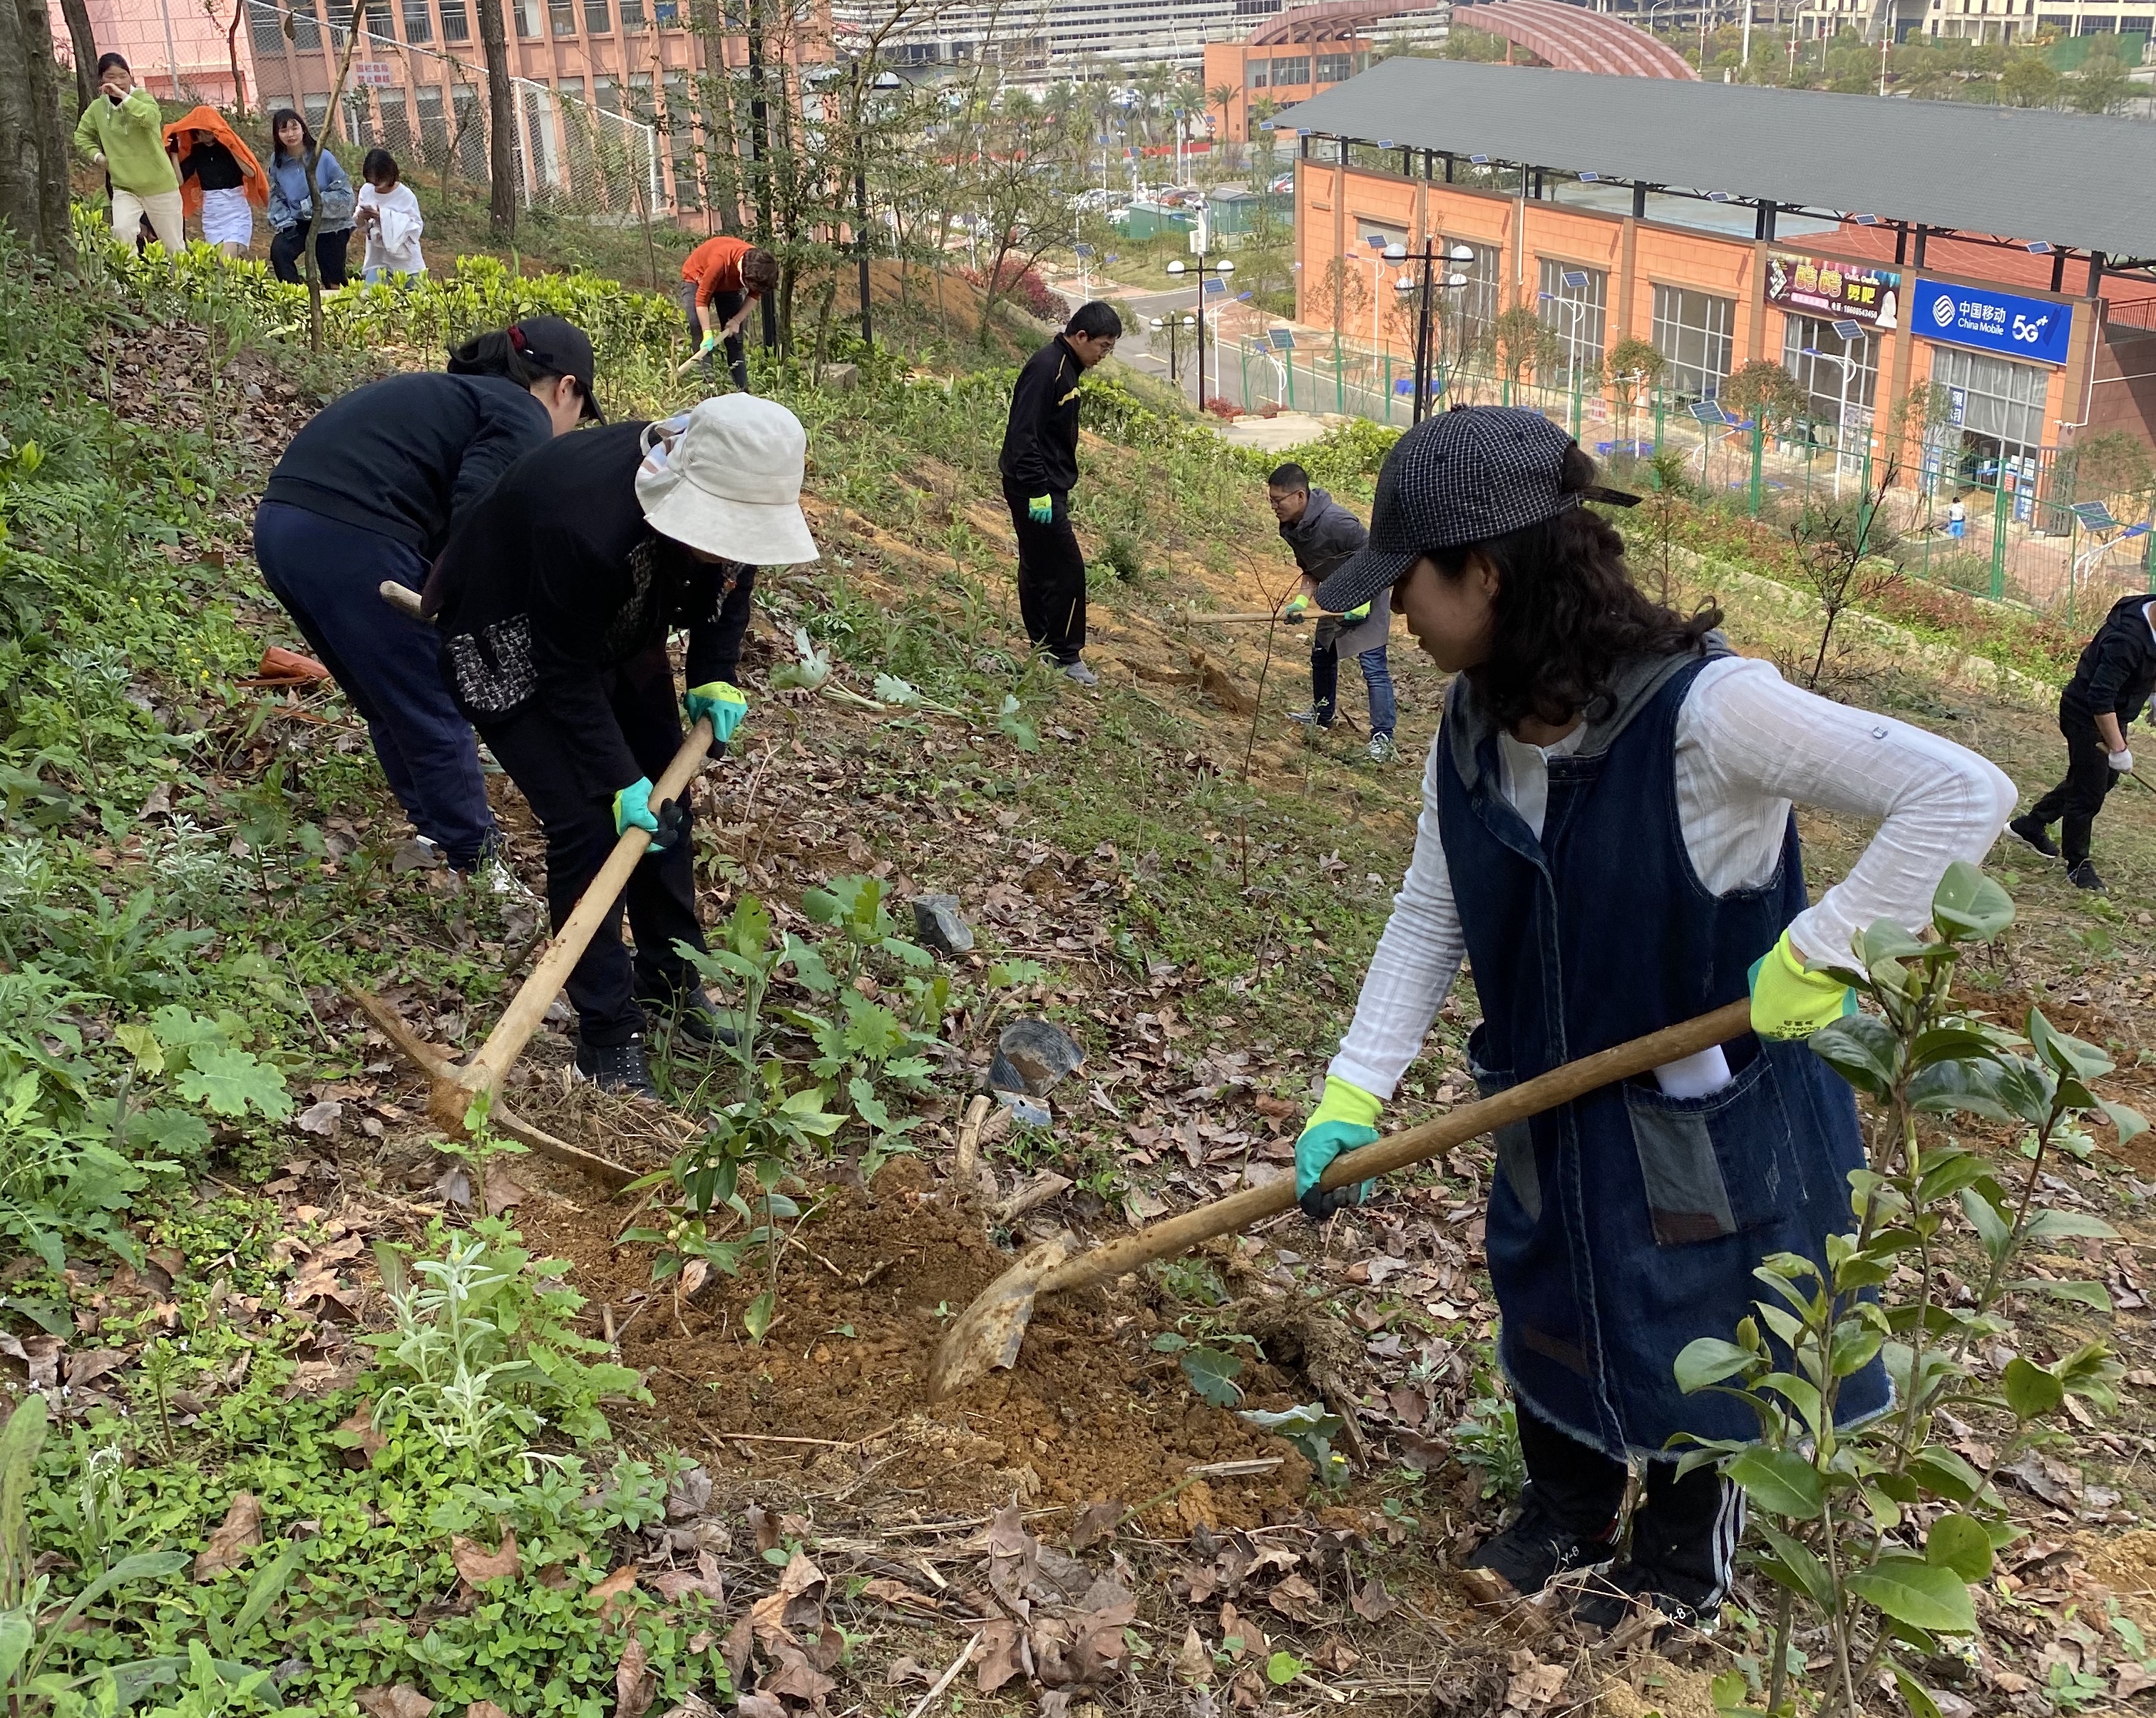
x=388 y=214
x=1607 y=834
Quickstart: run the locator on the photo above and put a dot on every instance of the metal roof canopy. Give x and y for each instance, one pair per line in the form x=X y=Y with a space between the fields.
x=2021 y=172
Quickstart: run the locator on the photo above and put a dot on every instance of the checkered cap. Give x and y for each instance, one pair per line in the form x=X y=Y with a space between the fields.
x=1465 y=475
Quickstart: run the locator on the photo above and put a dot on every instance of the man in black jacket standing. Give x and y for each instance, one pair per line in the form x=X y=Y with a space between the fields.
x=2111 y=683
x=1040 y=465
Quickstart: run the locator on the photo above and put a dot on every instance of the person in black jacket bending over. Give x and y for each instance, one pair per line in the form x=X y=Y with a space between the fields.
x=553 y=602
x=2111 y=683
x=1321 y=535
x=369 y=491
x=1040 y=465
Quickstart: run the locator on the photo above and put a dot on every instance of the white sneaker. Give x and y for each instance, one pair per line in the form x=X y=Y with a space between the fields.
x=1080 y=673
x=1381 y=748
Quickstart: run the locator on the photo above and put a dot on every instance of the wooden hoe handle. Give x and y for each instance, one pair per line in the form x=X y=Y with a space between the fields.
x=528 y=1007
x=1239 y=1211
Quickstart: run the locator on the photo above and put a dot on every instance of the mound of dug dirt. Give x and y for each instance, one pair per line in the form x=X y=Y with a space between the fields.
x=1090 y=1413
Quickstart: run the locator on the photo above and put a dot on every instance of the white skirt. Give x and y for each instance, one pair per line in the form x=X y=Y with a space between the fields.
x=226 y=218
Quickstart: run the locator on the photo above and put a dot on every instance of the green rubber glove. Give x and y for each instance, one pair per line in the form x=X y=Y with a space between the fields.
x=1789 y=1002
x=1355 y=615
x=1298 y=605
x=632 y=810
x=1041 y=509
x=711 y=340
x=1345 y=1118
x=723 y=703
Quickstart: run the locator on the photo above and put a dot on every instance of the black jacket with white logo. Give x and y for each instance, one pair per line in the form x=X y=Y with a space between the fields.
x=1040 y=445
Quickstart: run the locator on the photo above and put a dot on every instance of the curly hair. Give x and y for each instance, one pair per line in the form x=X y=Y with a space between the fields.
x=1567 y=612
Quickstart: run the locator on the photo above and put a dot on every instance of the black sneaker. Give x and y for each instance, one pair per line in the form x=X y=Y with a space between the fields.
x=1535 y=1549
x=2028 y=829
x=1607 y=1599
x=616 y=1068
x=690 y=1012
x=2083 y=876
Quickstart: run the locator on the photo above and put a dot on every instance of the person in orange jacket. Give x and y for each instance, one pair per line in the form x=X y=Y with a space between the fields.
x=221 y=183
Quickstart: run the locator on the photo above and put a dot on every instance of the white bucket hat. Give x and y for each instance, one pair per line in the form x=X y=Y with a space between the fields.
x=725 y=477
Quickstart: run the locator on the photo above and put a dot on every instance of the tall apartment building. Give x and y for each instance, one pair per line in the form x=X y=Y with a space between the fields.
x=1040 y=40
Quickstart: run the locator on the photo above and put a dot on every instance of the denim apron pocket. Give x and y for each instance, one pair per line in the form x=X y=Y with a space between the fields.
x=1712 y=1166
x=1514 y=1140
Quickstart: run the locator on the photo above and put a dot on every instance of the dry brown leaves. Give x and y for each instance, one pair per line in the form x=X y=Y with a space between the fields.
x=231 y=1540
x=1063 y=1629
x=474 y=1563
x=398 y=1700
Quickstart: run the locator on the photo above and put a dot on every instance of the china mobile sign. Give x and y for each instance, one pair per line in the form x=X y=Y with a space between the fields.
x=2032 y=329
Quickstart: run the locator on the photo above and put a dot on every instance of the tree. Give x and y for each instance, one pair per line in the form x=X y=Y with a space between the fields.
x=1633 y=365
x=2098 y=467
x=1022 y=182
x=1221 y=97
x=82 y=40
x=501 y=124
x=2102 y=84
x=1765 y=393
x=1525 y=345
x=2029 y=81
x=1843 y=550
x=34 y=163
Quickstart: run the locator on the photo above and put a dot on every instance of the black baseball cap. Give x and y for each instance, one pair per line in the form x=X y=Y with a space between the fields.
x=1465 y=475
x=560 y=348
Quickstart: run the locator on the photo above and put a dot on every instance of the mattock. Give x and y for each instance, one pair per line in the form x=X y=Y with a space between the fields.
x=452 y=1085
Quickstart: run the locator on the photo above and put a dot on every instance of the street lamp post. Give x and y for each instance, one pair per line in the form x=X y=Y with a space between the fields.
x=1571 y=280
x=1179 y=268
x=1452 y=282
x=1846 y=331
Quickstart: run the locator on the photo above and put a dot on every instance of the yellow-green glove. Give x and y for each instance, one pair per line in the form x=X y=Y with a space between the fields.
x=722 y=703
x=711 y=340
x=1789 y=1002
x=1041 y=509
x=1346 y=1118
x=1298 y=605
x=1352 y=616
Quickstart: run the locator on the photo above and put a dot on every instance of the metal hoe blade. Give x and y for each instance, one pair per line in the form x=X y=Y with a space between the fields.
x=988 y=1333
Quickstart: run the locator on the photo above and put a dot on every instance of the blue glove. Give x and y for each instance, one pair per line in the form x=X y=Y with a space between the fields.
x=723 y=703
x=1041 y=510
x=1345 y=1118
x=632 y=812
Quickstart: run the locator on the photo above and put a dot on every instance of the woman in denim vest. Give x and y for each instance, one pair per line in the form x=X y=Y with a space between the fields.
x=1607 y=836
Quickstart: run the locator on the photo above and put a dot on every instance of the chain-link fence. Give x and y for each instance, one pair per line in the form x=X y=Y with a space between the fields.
x=2017 y=524
x=432 y=110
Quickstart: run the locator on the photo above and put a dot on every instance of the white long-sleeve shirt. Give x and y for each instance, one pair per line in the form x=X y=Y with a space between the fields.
x=392 y=242
x=1748 y=744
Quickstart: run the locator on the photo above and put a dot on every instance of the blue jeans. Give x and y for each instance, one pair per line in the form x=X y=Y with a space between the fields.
x=328 y=575
x=1377 y=675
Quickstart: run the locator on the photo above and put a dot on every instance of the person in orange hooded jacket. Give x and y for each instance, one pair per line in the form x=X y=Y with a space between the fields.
x=219 y=178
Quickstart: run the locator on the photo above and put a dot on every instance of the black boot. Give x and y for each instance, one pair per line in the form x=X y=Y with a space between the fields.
x=1536 y=1549
x=1684 y=1545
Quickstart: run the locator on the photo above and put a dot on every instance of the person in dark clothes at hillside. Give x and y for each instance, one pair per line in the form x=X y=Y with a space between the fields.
x=1321 y=534
x=1040 y=466
x=553 y=602
x=2111 y=685
x=368 y=491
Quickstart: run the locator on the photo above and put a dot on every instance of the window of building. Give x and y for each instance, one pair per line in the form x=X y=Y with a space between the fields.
x=456 y=22
x=1998 y=405
x=1289 y=72
x=1572 y=303
x=605 y=96
x=1814 y=353
x=316 y=109
x=598 y=17
x=433 y=121
x=564 y=15
x=633 y=16
x=1254 y=72
x=679 y=126
x=1474 y=305
x=265 y=27
x=1335 y=67
x=470 y=110
x=1692 y=332
x=527 y=18
x=419 y=26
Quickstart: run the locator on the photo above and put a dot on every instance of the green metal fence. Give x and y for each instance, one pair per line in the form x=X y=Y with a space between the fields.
x=2006 y=522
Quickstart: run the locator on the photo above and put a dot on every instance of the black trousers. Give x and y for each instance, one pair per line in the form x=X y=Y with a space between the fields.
x=287 y=242
x=1687 y=1528
x=577 y=816
x=2073 y=804
x=1051 y=578
x=722 y=309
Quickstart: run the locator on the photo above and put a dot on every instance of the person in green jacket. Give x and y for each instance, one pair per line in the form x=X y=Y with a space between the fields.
x=122 y=132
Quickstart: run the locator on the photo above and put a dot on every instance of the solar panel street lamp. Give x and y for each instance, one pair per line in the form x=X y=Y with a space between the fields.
x=1846 y=331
